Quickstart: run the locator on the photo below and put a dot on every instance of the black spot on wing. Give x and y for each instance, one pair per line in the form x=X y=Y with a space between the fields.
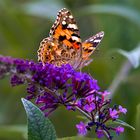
x=75 y=35
x=61 y=38
x=64 y=26
x=72 y=29
x=78 y=43
x=72 y=41
x=88 y=50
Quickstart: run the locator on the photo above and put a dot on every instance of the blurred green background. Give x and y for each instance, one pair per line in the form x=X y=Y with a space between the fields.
x=24 y=23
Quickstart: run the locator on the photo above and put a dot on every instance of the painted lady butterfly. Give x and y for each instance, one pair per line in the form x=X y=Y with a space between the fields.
x=64 y=43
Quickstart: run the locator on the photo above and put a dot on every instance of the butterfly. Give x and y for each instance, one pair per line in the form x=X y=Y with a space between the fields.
x=64 y=45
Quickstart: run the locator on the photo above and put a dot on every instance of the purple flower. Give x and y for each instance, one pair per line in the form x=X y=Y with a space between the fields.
x=122 y=110
x=32 y=90
x=83 y=84
x=51 y=86
x=89 y=107
x=82 y=130
x=16 y=80
x=94 y=85
x=90 y=98
x=113 y=113
x=100 y=133
x=6 y=60
x=105 y=93
x=119 y=130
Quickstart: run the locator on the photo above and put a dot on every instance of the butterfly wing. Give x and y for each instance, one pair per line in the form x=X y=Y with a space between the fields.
x=65 y=30
x=89 y=45
x=64 y=44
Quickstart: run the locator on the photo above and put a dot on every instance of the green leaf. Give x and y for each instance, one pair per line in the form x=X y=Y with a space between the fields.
x=39 y=127
x=77 y=138
x=138 y=122
x=124 y=124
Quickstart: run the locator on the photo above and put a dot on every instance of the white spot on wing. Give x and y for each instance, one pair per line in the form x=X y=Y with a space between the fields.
x=101 y=35
x=52 y=44
x=97 y=40
x=71 y=16
x=72 y=26
x=64 y=22
x=75 y=38
x=91 y=39
x=66 y=12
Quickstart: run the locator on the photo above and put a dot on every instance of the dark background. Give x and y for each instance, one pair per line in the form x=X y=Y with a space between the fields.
x=24 y=23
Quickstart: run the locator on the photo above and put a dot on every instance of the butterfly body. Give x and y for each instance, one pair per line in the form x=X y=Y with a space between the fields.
x=64 y=43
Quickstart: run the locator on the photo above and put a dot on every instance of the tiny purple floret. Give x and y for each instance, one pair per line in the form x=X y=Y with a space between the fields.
x=122 y=110
x=81 y=129
x=119 y=130
x=89 y=107
x=113 y=113
x=100 y=133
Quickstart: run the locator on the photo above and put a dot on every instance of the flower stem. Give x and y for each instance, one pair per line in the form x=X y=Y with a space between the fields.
x=120 y=77
x=84 y=113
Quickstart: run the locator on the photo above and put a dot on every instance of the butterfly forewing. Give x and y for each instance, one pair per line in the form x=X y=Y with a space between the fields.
x=66 y=32
x=65 y=29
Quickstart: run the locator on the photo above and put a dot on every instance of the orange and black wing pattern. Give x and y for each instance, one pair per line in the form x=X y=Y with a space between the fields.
x=89 y=45
x=65 y=30
x=63 y=46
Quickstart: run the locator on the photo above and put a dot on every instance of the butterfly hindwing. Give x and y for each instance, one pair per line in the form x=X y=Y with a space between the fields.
x=89 y=45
